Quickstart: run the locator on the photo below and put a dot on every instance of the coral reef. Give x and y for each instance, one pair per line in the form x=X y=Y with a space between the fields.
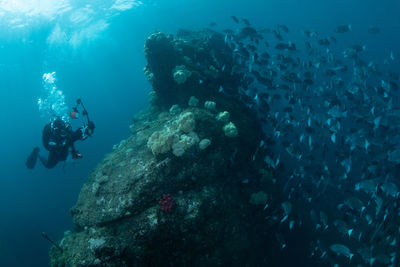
x=193 y=101
x=187 y=65
x=204 y=143
x=230 y=130
x=178 y=135
x=223 y=116
x=163 y=197
x=167 y=203
x=181 y=74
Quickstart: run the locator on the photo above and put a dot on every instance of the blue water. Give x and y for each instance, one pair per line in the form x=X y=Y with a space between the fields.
x=97 y=54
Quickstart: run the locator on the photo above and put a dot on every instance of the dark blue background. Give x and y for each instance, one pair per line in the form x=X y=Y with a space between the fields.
x=107 y=73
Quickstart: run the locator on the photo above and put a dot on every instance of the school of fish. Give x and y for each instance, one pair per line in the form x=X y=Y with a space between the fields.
x=331 y=122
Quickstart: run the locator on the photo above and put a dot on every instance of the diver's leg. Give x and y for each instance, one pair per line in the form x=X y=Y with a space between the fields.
x=50 y=162
x=43 y=160
x=31 y=160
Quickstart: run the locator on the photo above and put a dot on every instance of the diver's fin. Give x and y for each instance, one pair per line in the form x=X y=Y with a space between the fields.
x=31 y=160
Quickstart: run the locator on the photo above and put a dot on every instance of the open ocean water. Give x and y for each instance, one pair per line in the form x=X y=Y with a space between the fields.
x=95 y=49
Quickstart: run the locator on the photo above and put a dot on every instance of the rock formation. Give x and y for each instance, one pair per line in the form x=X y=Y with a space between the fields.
x=177 y=191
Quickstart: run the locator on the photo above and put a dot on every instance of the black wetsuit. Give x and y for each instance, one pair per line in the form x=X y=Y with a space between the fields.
x=59 y=146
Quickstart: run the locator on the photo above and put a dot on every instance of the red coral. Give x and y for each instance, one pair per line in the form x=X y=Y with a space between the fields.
x=167 y=203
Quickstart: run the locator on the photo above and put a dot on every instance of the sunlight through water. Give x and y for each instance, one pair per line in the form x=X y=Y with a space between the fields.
x=72 y=22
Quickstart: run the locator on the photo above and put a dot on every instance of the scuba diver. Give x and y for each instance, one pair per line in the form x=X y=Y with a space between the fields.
x=59 y=138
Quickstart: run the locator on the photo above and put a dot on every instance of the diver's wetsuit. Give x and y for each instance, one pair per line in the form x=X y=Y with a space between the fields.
x=59 y=146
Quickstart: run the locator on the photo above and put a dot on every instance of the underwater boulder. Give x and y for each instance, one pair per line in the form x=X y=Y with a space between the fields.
x=173 y=200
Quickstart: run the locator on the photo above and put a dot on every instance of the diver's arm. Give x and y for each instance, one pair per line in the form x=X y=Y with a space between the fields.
x=83 y=133
x=74 y=152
